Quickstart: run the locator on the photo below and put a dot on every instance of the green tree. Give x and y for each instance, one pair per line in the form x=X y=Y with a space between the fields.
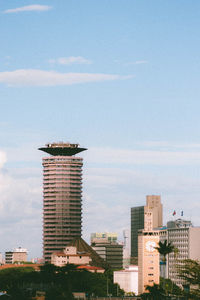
x=164 y=248
x=170 y=287
x=155 y=292
x=58 y=282
x=58 y=293
x=14 y=277
x=189 y=270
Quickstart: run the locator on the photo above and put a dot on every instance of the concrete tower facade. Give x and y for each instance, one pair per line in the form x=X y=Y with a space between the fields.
x=148 y=259
x=62 y=193
x=154 y=205
x=145 y=217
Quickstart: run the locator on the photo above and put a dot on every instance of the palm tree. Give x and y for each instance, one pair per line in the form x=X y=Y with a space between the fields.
x=164 y=248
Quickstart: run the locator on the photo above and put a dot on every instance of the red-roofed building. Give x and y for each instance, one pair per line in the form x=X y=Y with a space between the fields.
x=70 y=255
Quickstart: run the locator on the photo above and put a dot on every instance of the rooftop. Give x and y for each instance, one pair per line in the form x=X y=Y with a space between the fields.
x=61 y=148
x=82 y=246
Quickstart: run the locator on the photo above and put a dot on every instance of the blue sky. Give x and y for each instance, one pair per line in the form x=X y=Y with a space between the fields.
x=119 y=77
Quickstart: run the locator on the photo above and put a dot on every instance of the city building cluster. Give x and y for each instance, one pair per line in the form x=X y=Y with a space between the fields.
x=136 y=261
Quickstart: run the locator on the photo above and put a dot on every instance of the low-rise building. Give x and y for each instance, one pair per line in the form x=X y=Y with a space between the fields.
x=16 y=256
x=70 y=255
x=103 y=237
x=80 y=254
x=127 y=279
x=107 y=247
x=111 y=253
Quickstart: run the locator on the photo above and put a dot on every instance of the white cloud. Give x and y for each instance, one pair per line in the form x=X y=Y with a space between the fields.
x=34 y=77
x=34 y=7
x=2 y=158
x=99 y=217
x=20 y=209
x=143 y=157
x=70 y=60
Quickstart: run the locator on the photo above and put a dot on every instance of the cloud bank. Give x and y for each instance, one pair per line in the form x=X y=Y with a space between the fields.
x=34 y=7
x=34 y=77
x=70 y=60
x=143 y=157
x=2 y=158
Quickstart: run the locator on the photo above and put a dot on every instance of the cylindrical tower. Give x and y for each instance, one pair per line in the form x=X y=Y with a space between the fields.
x=62 y=189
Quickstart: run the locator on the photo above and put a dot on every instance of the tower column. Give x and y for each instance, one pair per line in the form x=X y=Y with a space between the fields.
x=62 y=197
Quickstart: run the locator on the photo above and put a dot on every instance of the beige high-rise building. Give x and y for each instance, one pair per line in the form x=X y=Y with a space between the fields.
x=145 y=217
x=154 y=206
x=148 y=239
x=62 y=200
x=148 y=259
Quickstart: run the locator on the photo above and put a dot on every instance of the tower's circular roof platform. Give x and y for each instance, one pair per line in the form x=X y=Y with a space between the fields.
x=63 y=149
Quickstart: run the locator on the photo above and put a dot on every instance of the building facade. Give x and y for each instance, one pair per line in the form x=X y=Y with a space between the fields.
x=148 y=259
x=154 y=205
x=186 y=239
x=127 y=279
x=62 y=190
x=103 y=237
x=16 y=256
x=111 y=253
x=137 y=223
x=145 y=217
x=70 y=255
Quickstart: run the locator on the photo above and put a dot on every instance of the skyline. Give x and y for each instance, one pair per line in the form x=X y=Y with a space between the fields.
x=119 y=78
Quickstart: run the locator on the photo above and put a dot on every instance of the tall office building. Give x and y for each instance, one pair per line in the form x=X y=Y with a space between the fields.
x=186 y=239
x=145 y=217
x=137 y=223
x=154 y=205
x=62 y=189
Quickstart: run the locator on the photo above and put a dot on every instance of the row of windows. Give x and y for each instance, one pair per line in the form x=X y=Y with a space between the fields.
x=67 y=170
x=55 y=160
x=62 y=179
x=46 y=189
x=69 y=167
x=59 y=197
x=63 y=182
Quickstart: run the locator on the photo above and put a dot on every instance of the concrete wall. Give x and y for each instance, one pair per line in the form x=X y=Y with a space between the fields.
x=194 y=243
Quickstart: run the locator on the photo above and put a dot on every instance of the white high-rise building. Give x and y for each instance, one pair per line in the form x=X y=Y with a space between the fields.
x=186 y=239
